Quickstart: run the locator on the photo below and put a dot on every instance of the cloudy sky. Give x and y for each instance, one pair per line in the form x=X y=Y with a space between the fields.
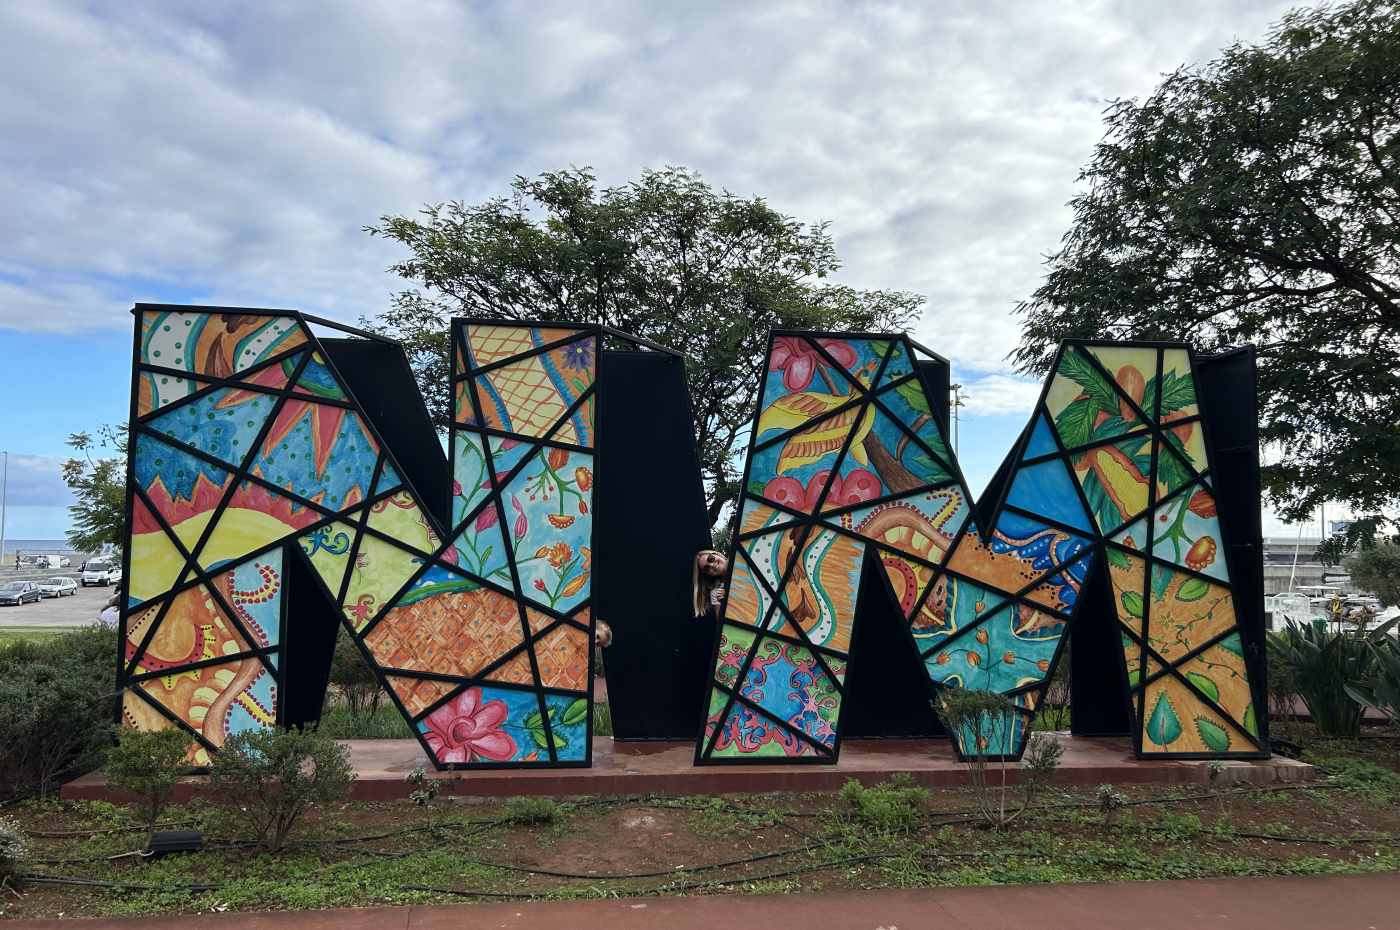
x=231 y=153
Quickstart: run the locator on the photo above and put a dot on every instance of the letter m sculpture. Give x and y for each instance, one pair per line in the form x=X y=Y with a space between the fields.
x=847 y=460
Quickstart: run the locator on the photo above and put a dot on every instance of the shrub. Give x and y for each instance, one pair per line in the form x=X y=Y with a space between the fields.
x=602 y=719
x=529 y=812
x=424 y=789
x=893 y=806
x=1381 y=689
x=57 y=696
x=148 y=764
x=1320 y=663
x=14 y=852
x=352 y=676
x=1111 y=801
x=274 y=776
x=985 y=718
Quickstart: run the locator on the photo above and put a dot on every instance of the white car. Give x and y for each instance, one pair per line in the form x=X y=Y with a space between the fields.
x=58 y=587
x=100 y=572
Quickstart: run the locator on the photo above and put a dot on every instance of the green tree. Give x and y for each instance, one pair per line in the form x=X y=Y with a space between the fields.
x=1256 y=199
x=148 y=764
x=665 y=257
x=99 y=486
x=1377 y=569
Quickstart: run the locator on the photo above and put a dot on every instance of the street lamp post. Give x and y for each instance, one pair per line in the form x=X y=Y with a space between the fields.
x=4 y=493
x=957 y=402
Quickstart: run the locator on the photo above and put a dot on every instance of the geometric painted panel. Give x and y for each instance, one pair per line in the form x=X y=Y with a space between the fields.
x=248 y=449
x=1112 y=470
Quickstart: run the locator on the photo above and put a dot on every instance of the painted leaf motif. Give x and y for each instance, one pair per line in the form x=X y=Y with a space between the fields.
x=1118 y=559
x=575 y=712
x=1132 y=603
x=1193 y=589
x=1075 y=423
x=1163 y=727
x=1232 y=644
x=1212 y=735
x=1083 y=373
x=1204 y=685
x=793 y=410
x=828 y=436
x=1177 y=393
x=1251 y=725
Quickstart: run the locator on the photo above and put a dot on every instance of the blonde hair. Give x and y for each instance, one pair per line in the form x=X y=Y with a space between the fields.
x=701 y=585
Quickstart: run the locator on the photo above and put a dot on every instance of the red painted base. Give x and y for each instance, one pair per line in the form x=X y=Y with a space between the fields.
x=665 y=768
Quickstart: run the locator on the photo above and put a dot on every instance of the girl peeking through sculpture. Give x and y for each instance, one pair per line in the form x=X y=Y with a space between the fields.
x=707 y=583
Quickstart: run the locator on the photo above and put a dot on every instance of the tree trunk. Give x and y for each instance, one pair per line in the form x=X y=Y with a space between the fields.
x=895 y=476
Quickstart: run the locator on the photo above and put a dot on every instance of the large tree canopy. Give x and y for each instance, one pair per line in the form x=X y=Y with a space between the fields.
x=1256 y=199
x=666 y=257
x=98 y=484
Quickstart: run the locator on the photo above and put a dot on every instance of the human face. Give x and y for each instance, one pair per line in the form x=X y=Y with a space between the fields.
x=711 y=563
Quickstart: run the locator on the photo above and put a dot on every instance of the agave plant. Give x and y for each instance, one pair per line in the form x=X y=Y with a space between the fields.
x=1321 y=663
x=1381 y=689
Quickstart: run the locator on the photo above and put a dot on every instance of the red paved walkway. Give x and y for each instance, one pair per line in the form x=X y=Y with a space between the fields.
x=665 y=768
x=1367 y=902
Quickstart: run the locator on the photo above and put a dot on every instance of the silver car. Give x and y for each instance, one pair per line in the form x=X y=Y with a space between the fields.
x=58 y=587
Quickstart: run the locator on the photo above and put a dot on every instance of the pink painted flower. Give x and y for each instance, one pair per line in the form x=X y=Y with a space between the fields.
x=521 y=524
x=487 y=518
x=456 y=489
x=798 y=359
x=467 y=730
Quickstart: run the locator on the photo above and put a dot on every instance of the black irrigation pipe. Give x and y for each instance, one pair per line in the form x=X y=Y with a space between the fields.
x=678 y=870
x=63 y=834
x=99 y=883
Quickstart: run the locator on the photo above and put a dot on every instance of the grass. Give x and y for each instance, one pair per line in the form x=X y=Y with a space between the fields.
x=384 y=723
x=15 y=634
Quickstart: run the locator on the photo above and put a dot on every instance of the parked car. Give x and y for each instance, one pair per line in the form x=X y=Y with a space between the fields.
x=17 y=592
x=61 y=586
x=100 y=572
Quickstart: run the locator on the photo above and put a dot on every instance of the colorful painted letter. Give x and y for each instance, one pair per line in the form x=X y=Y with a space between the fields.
x=248 y=450
x=847 y=458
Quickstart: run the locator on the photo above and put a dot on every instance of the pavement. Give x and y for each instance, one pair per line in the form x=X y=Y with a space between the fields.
x=57 y=612
x=1363 y=902
x=669 y=768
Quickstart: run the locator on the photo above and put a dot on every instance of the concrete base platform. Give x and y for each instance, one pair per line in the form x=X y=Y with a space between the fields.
x=666 y=768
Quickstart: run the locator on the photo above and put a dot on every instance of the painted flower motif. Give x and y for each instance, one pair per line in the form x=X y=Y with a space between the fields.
x=557 y=554
x=583 y=478
x=1009 y=658
x=456 y=488
x=856 y=487
x=466 y=729
x=1043 y=664
x=557 y=458
x=539 y=585
x=982 y=636
x=522 y=525
x=560 y=521
x=487 y=518
x=1202 y=504
x=973 y=659
x=942 y=658
x=1201 y=553
x=587 y=554
x=578 y=355
x=798 y=360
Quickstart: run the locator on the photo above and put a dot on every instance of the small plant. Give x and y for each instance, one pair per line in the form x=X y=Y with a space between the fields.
x=424 y=789
x=1320 y=663
x=148 y=764
x=602 y=720
x=986 y=719
x=358 y=686
x=1111 y=801
x=531 y=812
x=1381 y=689
x=893 y=806
x=274 y=776
x=14 y=852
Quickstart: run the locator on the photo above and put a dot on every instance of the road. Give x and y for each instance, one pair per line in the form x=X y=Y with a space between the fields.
x=57 y=612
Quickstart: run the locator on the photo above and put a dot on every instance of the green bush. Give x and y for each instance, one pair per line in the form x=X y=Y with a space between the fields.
x=356 y=684
x=530 y=812
x=893 y=806
x=14 y=852
x=57 y=695
x=148 y=764
x=1381 y=689
x=1320 y=663
x=274 y=776
x=602 y=720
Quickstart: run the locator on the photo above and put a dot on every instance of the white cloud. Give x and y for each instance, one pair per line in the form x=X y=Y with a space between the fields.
x=992 y=395
x=233 y=153
x=36 y=481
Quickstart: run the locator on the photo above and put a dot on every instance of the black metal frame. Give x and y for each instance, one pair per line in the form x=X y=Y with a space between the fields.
x=1092 y=556
x=356 y=518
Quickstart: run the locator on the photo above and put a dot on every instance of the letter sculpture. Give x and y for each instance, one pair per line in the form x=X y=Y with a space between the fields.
x=847 y=458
